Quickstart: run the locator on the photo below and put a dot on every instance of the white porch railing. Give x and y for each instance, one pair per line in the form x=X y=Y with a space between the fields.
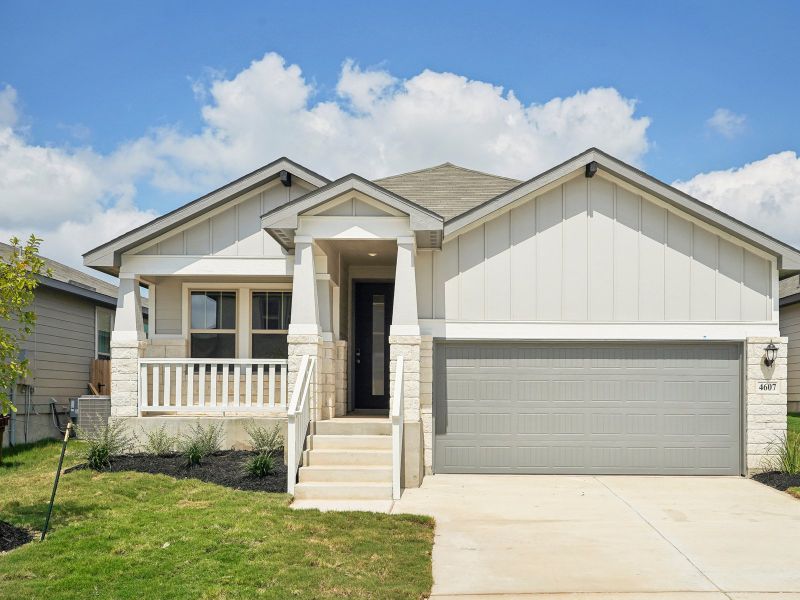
x=397 y=428
x=299 y=418
x=187 y=385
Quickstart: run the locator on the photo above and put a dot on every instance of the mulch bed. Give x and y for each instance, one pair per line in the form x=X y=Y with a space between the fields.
x=11 y=536
x=780 y=481
x=223 y=468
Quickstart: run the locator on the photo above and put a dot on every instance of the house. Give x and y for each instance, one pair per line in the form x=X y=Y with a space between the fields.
x=590 y=319
x=790 y=328
x=75 y=317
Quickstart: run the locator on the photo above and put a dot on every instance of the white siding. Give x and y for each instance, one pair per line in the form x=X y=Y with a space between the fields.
x=590 y=250
x=168 y=306
x=235 y=231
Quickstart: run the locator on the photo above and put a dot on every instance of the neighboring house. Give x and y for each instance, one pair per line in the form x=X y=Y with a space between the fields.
x=588 y=320
x=790 y=328
x=74 y=319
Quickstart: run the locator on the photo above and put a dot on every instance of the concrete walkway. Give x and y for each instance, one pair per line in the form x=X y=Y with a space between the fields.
x=603 y=538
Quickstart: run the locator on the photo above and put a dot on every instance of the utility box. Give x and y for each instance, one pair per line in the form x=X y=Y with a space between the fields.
x=91 y=413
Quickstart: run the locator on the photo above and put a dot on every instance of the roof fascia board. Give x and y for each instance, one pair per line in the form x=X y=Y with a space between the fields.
x=209 y=214
x=695 y=220
x=286 y=216
x=195 y=208
x=788 y=257
x=76 y=290
x=549 y=177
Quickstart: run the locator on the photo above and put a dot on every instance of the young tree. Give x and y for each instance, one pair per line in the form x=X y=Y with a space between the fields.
x=18 y=280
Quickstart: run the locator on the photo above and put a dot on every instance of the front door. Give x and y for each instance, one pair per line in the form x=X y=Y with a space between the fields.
x=372 y=318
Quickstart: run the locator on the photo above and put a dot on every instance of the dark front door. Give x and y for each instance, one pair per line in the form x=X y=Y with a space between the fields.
x=373 y=315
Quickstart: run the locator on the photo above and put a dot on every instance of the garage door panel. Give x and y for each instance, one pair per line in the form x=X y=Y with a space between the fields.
x=583 y=408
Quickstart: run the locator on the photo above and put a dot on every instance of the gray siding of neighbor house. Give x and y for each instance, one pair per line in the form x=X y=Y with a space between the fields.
x=60 y=352
x=790 y=327
x=591 y=250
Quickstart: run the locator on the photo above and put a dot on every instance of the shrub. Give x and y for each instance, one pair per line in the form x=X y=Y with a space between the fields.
x=159 y=441
x=199 y=442
x=104 y=443
x=259 y=465
x=785 y=454
x=265 y=440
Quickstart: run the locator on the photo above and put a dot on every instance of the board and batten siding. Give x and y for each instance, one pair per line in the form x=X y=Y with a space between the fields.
x=235 y=231
x=790 y=327
x=590 y=250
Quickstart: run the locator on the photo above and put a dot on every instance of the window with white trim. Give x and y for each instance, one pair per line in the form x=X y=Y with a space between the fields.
x=212 y=332
x=104 y=325
x=270 y=324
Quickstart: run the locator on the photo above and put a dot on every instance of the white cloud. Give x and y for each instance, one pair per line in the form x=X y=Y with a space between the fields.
x=764 y=193
x=375 y=124
x=727 y=123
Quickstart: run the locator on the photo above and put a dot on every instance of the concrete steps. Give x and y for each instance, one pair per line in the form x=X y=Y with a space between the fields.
x=347 y=459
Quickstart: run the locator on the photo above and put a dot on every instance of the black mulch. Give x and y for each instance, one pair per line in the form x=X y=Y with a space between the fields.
x=778 y=480
x=11 y=537
x=223 y=468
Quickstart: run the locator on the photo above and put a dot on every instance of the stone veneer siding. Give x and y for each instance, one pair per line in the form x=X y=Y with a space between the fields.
x=125 y=377
x=766 y=413
x=300 y=345
x=426 y=399
x=340 y=377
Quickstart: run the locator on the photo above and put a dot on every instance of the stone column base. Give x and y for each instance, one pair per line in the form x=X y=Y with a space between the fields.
x=125 y=377
x=409 y=346
x=340 y=377
x=766 y=412
x=299 y=346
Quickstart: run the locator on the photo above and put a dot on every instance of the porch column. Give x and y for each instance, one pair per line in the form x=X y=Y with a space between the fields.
x=127 y=345
x=405 y=318
x=304 y=330
x=305 y=308
x=405 y=341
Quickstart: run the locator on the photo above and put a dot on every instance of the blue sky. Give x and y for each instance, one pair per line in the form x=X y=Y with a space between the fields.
x=91 y=77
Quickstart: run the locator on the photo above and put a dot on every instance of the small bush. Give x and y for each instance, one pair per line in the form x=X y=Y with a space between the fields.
x=159 y=441
x=265 y=440
x=259 y=465
x=785 y=454
x=199 y=442
x=104 y=443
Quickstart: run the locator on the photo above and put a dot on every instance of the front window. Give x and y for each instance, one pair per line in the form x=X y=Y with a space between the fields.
x=105 y=325
x=270 y=326
x=213 y=325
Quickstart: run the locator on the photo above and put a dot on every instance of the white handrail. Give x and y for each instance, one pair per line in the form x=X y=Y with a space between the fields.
x=299 y=419
x=397 y=428
x=212 y=385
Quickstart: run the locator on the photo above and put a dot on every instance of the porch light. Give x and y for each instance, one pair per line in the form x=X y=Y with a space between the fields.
x=770 y=353
x=372 y=254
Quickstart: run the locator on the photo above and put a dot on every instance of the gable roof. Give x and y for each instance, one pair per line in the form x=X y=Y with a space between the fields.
x=447 y=189
x=788 y=256
x=282 y=220
x=106 y=257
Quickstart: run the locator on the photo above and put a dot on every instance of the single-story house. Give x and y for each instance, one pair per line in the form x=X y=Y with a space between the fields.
x=790 y=328
x=74 y=320
x=590 y=319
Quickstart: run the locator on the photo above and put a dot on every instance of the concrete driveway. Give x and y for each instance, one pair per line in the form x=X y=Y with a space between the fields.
x=609 y=537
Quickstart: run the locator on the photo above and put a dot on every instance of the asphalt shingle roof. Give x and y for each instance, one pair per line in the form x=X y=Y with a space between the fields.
x=447 y=189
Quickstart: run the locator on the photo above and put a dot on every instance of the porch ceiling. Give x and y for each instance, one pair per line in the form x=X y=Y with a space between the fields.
x=357 y=252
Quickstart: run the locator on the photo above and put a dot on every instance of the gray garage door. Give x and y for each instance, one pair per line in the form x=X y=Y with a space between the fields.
x=596 y=408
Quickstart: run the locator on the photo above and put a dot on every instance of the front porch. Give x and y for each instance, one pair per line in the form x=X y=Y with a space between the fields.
x=332 y=331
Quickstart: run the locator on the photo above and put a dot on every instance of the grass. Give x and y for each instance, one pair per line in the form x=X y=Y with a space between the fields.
x=793 y=429
x=131 y=535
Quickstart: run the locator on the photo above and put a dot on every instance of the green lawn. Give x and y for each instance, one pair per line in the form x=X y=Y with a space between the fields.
x=130 y=535
x=793 y=423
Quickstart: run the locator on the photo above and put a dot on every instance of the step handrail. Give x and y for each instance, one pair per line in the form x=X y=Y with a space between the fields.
x=397 y=428
x=299 y=418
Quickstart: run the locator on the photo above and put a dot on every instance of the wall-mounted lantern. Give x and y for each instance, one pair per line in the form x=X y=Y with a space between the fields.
x=770 y=353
